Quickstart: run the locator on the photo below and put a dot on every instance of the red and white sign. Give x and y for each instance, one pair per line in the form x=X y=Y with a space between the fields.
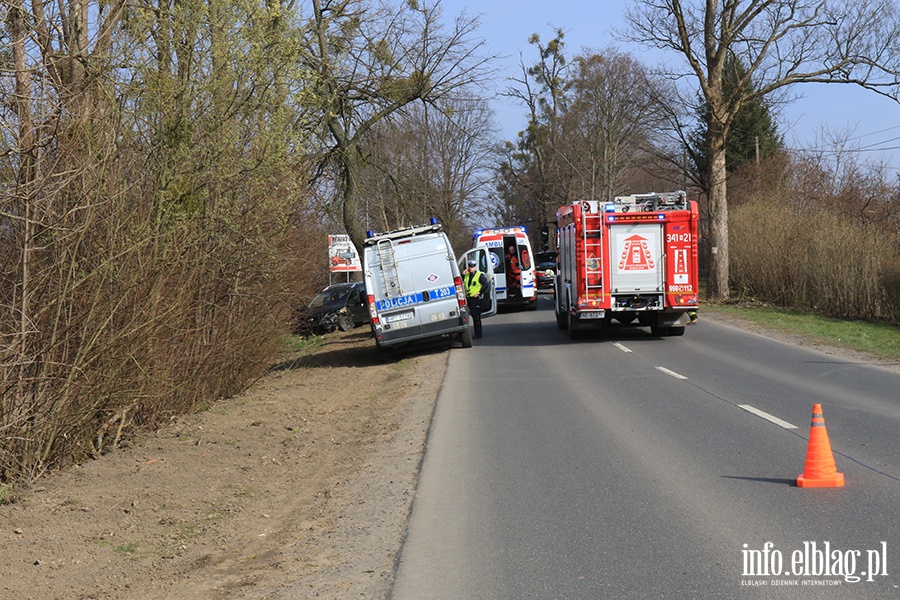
x=680 y=270
x=635 y=254
x=342 y=255
x=679 y=252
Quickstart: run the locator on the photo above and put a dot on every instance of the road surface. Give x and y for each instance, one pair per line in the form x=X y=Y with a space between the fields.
x=633 y=466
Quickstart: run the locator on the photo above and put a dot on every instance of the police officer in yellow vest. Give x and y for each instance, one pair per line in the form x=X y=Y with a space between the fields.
x=476 y=283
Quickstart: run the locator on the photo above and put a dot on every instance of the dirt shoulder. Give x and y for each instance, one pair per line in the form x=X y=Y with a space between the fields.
x=298 y=488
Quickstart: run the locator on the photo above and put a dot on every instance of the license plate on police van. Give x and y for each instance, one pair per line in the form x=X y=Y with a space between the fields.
x=404 y=316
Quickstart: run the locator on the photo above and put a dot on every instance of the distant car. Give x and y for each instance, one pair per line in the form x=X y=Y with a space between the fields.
x=544 y=275
x=339 y=306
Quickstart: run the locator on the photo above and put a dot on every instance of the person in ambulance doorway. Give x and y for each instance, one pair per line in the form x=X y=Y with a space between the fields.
x=514 y=277
x=476 y=284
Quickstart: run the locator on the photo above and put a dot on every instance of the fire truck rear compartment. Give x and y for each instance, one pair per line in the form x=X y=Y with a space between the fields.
x=634 y=302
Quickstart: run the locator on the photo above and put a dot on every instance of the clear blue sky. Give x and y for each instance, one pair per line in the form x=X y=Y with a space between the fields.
x=506 y=26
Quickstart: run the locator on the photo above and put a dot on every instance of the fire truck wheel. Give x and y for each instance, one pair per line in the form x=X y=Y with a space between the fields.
x=561 y=320
x=574 y=332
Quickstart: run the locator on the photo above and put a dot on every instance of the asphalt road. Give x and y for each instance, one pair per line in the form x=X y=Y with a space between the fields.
x=633 y=466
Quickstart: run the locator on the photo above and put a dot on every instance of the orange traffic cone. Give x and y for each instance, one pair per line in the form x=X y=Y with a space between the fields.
x=820 y=470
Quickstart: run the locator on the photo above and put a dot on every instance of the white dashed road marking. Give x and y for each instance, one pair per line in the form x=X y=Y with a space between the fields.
x=767 y=416
x=672 y=373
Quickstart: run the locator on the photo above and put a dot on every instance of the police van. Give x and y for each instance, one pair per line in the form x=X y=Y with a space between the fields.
x=511 y=261
x=414 y=287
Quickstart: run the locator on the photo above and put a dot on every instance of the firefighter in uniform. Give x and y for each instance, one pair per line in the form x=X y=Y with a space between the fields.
x=476 y=283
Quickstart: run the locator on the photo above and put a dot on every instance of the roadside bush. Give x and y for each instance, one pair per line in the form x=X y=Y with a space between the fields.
x=768 y=258
x=811 y=258
x=890 y=283
x=124 y=310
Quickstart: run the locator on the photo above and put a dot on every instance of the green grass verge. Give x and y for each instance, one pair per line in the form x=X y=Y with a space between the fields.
x=875 y=338
x=297 y=343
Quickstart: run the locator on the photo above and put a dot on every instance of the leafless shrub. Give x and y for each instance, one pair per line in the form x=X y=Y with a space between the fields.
x=795 y=245
x=138 y=312
x=154 y=229
x=890 y=281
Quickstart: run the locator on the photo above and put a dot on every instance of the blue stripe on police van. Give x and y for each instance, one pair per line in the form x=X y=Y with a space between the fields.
x=440 y=293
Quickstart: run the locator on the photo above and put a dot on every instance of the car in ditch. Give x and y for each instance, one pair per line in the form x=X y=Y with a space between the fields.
x=339 y=306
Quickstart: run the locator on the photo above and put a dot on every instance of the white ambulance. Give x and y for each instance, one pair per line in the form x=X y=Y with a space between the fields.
x=511 y=259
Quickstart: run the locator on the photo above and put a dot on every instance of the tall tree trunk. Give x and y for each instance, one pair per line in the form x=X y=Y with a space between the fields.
x=717 y=284
x=26 y=151
x=350 y=216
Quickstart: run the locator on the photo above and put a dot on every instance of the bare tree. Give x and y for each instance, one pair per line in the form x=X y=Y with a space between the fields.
x=780 y=43
x=530 y=180
x=368 y=60
x=610 y=122
x=591 y=121
x=427 y=163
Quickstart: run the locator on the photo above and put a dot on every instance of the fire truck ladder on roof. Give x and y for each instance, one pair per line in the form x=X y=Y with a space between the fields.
x=593 y=256
x=388 y=263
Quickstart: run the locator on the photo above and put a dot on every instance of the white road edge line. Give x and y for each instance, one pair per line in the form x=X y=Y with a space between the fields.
x=621 y=347
x=672 y=373
x=767 y=416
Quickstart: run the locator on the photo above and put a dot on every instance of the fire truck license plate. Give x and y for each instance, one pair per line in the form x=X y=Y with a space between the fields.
x=404 y=316
x=595 y=314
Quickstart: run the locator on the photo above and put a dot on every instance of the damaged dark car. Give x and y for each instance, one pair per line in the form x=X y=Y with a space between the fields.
x=339 y=306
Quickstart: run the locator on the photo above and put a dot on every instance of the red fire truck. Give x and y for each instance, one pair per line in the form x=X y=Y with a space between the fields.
x=631 y=259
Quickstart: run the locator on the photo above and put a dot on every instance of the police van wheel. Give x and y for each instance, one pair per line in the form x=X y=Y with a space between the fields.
x=465 y=338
